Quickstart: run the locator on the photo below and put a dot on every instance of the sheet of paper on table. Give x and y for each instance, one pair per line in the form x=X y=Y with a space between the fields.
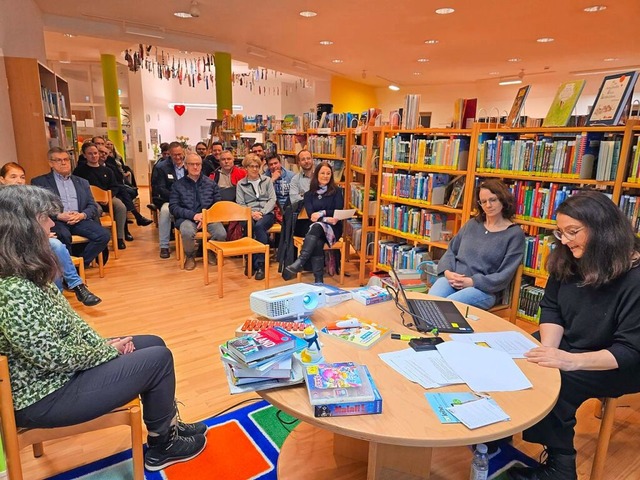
x=344 y=214
x=428 y=369
x=515 y=344
x=478 y=413
x=483 y=369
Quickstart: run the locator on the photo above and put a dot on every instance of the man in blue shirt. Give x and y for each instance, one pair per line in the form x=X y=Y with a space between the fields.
x=281 y=178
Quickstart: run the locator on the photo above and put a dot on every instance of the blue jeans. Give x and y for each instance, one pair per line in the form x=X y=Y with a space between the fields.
x=69 y=272
x=260 y=234
x=471 y=295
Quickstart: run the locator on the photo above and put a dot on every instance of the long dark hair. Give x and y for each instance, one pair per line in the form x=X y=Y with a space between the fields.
x=24 y=245
x=504 y=195
x=315 y=185
x=611 y=243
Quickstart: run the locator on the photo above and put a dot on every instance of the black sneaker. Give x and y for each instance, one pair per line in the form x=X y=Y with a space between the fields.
x=191 y=429
x=170 y=448
x=555 y=467
x=85 y=296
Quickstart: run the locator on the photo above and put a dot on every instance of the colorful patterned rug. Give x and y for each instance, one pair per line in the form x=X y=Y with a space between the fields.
x=241 y=445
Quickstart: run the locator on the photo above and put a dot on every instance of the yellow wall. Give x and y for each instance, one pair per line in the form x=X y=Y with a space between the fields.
x=349 y=96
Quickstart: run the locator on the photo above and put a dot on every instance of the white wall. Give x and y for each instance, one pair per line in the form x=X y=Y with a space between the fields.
x=440 y=99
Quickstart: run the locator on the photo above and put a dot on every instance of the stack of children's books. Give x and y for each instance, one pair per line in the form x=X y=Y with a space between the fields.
x=356 y=331
x=370 y=295
x=341 y=389
x=262 y=360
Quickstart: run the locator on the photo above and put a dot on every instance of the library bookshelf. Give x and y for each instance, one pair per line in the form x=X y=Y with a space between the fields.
x=41 y=113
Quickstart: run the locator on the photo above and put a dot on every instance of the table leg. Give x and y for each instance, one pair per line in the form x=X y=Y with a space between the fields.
x=396 y=462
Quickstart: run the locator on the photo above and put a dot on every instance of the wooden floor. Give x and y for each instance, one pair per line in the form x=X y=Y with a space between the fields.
x=142 y=293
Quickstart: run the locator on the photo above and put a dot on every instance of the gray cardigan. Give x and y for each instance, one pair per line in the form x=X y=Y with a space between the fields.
x=489 y=258
x=263 y=201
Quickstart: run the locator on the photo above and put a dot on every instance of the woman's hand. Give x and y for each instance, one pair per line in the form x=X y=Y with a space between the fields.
x=256 y=215
x=331 y=220
x=315 y=216
x=553 y=358
x=123 y=345
x=457 y=280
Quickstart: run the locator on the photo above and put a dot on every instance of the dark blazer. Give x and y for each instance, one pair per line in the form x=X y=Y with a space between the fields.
x=189 y=197
x=163 y=177
x=86 y=203
x=329 y=203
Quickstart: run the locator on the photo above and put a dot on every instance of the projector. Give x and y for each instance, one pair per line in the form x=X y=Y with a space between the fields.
x=287 y=302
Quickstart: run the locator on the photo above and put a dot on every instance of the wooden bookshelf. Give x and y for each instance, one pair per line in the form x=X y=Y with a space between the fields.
x=41 y=113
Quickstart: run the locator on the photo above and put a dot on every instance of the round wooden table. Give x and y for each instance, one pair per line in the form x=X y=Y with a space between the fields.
x=398 y=443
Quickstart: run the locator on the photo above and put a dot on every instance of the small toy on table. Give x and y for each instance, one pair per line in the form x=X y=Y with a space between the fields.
x=312 y=353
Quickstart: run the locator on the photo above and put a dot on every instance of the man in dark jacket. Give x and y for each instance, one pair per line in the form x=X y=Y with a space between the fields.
x=189 y=196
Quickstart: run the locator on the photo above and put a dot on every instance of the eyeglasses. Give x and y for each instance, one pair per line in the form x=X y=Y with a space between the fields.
x=569 y=235
x=60 y=160
x=492 y=200
x=254 y=166
x=189 y=164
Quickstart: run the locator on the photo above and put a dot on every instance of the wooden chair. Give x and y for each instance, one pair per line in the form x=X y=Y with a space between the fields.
x=79 y=263
x=179 y=248
x=15 y=439
x=510 y=310
x=606 y=410
x=80 y=239
x=340 y=245
x=229 y=212
x=107 y=220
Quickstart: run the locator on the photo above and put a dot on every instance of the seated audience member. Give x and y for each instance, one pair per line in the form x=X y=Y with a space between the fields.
x=258 y=149
x=165 y=174
x=80 y=212
x=281 y=178
x=13 y=174
x=164 y=152
x=322 y=199
x=129 y=177
x=214 y=158
x=228 y=176
x=189 y=196
x=589 y=323
x=301 y=181
x=483 y=257
x=256 y=191
x=62 y=371
x=207 y=165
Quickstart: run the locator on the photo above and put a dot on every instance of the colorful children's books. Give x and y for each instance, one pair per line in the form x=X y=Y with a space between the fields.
x=296 y=376
x=516 y=108
x=613 y=97
x=343 y=409
x=256 y=346
x=370 y=295
x=364 y=335
x=344 y=382
x=563 y=104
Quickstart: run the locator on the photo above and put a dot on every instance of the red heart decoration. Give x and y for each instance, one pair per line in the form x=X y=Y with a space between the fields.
x=179 y=109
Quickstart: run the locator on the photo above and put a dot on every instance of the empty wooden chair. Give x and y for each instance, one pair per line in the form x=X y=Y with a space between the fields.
x=107 y=219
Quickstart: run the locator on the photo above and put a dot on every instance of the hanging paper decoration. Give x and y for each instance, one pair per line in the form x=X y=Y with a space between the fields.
x=179 y=109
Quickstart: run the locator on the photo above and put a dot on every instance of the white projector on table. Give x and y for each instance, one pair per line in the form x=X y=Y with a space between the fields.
x=287 y=302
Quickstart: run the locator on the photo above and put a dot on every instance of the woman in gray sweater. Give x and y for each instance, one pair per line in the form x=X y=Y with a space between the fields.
x=483 y=257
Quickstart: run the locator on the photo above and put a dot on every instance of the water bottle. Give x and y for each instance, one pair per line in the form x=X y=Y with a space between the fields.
x=480 y=463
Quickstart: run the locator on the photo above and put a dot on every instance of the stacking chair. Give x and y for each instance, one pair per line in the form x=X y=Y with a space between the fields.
x=225 y=212
x=339 y=245
x=79 y=263
x=107 y=220
x=14 y=439
x=80 y=239
x=179 y=247
x=510 y=310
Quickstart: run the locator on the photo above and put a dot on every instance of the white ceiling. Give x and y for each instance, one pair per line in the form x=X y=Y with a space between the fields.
x=380 y=37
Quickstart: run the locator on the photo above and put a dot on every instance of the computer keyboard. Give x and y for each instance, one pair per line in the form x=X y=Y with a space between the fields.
x=429 y=313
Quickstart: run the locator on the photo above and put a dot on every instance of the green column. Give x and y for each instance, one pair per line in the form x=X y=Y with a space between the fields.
x=112 y=101
x=223 y=83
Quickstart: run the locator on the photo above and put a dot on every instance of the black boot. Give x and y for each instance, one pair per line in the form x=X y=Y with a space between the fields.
x=317 y=267
x=557 y=466
x=140 y=220
x=169 y=448
x=308 y=246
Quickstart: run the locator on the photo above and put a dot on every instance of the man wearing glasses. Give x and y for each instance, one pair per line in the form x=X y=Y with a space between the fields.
x=189 y=196
x=80 y=211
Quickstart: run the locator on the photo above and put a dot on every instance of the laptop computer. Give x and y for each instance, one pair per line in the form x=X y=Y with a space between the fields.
x=430 y=314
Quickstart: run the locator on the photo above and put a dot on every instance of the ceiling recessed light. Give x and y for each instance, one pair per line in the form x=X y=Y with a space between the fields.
x=336 y=60
x=308 y=14
x=395 y=88
x=183 y=14
x=417 y=73
x=494 y=73
x=423 y=60
x=431 y=42
x=545 y=40
x=595 y=8
x=326 y=42
x=514 y=60
x=444 y=11
x=69 y=35
x=610 y=59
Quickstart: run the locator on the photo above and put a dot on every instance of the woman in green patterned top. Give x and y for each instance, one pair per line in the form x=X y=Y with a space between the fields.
x=62 y=371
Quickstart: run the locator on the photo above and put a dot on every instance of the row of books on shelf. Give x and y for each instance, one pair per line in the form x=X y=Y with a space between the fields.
x=400 y=255
x=536 y=251
x=353 y=229
x=529 y=304
x=551 y=156
x=327 y=145
x=537 y=203
x=630 y=206
x=424 y=187
x=418 y=222
x=634 y=169
x=359 y=157
x=53 y=103
x=416 y=150
x=356 y=197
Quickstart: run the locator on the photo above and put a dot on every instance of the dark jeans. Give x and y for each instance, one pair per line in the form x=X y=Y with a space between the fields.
x=260 y=233
x=98 y=237
x=146 y=372
x=556 y=430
